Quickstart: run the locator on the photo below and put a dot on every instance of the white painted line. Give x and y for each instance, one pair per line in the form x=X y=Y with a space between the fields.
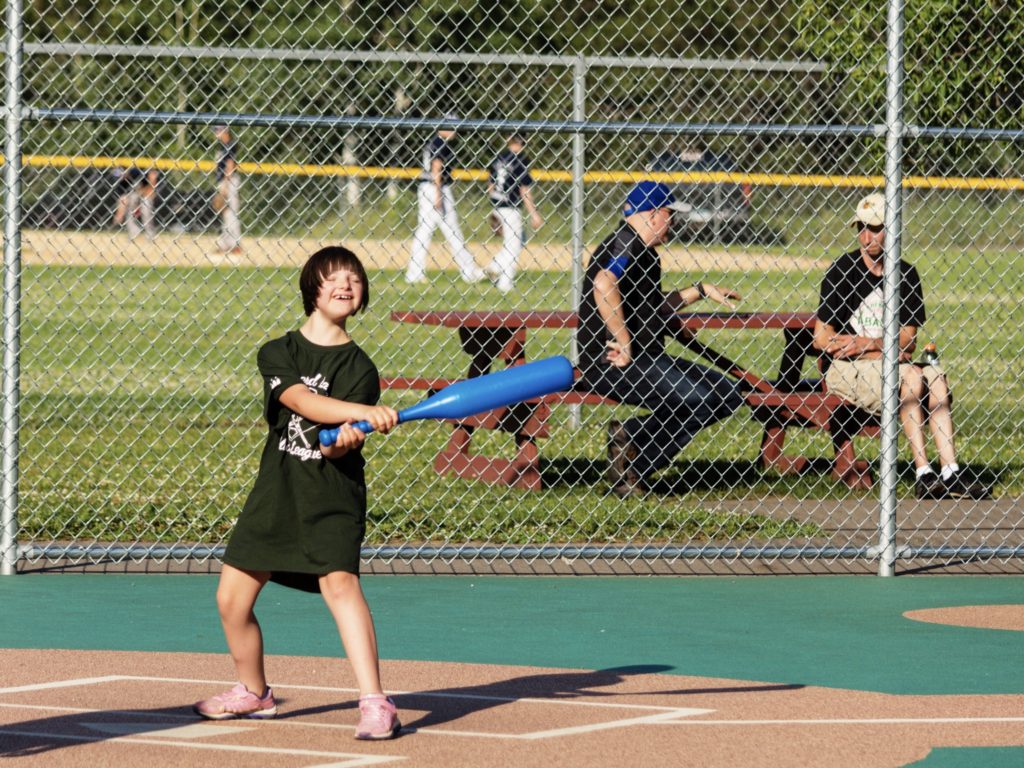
x=62 y=684
x=855 y=721
x=644 y=720
x=200 y=681
x=191 y=731
x=429 y=694
x=91 y=710
x=562 y=702
x=350 y=760
x=270 y=721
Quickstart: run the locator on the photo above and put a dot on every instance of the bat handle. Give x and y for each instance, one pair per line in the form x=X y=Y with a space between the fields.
x=330 y=436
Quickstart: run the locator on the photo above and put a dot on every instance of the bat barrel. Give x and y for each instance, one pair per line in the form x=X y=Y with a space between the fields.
x=496 y=390
x=484 y=393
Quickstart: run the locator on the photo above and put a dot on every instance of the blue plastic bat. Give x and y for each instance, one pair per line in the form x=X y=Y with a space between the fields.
x=483 y=393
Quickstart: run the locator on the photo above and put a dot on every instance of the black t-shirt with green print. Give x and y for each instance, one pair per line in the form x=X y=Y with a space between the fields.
x=306 y=515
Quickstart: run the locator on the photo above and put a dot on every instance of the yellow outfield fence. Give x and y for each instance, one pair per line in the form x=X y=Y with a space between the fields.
x=591 y=177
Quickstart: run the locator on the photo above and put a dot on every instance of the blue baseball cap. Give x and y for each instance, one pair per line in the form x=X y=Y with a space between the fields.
x=650 y=195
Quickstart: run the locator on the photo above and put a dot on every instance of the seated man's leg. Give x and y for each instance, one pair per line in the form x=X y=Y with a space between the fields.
x=955 y=481
x=912 y=414
x=688 y=398
x=631 y=385
x=683 y=398
x=940 y=413
x=860 y=382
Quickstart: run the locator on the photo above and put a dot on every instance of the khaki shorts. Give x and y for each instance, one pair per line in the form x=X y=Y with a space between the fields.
x=860 y=381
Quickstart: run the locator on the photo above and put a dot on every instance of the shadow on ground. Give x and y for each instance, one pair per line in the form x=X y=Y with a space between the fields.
x=722 y=475
x=446 y=705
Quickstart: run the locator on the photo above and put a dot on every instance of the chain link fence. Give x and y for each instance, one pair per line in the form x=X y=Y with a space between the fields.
x=134 y=305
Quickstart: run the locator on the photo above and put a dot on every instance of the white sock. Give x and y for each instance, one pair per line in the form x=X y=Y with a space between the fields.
x=948 y=470
x=925 y=470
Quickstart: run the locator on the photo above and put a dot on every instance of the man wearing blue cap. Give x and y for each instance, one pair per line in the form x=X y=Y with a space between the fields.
x=624 y=317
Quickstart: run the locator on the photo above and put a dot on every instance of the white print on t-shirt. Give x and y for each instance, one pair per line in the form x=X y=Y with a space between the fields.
x=316 y=382
x=296 y=444
x=295 y=431
x=867 y=319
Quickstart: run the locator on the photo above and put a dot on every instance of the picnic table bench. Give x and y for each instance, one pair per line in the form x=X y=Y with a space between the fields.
x=784 y=402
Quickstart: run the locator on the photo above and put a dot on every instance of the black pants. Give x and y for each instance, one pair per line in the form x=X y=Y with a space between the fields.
x=682 y=397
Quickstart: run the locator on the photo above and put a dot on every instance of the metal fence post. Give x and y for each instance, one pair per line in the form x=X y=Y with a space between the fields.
x=12 y=292
x=579 y=114
x=893 y=251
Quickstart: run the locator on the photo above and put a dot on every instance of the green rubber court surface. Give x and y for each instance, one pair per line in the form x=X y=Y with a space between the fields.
x=912 y=646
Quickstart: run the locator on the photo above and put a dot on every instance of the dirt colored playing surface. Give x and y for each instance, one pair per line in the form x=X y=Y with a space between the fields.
x=88 y=708
x=982 y=616
x=69 y=248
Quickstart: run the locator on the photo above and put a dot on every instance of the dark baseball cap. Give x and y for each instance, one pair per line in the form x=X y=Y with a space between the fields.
x=649 y=196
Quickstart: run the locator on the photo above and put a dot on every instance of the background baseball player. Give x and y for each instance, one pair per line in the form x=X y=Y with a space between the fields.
x=509 y=189
x=437 y=209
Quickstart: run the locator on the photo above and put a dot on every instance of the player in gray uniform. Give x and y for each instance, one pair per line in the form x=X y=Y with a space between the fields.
x=229 y=182
x=509 y=189
x=437 y=209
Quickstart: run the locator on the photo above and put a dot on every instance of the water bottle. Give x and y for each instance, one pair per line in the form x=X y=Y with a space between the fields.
x=931 y=354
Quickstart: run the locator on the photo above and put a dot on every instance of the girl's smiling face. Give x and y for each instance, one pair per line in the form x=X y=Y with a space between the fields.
x=341 y=294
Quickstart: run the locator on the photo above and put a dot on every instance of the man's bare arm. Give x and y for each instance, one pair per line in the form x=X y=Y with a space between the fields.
x=608 y=299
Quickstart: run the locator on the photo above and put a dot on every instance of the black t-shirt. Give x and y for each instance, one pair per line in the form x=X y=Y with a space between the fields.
x=851 y=297
x=438 y=149
x=638 y=269
x=306 y=515
x=227 y=152
x=508 y=174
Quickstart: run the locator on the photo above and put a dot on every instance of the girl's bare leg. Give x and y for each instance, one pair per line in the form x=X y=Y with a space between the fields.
x=236 y=596
x=344 y=597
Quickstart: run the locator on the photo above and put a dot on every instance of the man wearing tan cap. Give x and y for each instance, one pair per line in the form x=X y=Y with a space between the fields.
x=849 y=331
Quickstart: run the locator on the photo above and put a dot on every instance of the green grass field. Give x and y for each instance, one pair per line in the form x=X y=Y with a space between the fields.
x=141 y=406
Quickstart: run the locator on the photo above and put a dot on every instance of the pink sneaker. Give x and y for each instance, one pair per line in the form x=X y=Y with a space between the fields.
x=238 y=702
x=378 y=717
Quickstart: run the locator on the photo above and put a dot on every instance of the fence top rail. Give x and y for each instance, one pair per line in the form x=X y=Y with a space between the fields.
x=418 y=57
x=378 y=122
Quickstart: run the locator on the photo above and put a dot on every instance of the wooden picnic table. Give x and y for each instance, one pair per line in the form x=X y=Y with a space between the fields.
x=778 y=403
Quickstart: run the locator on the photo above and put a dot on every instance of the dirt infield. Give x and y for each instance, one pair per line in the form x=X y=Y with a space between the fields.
x=67 y=248
x=87 y=708
x=1010 y=617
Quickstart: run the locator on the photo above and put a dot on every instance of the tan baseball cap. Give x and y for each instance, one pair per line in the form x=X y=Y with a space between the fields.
x=870 y=211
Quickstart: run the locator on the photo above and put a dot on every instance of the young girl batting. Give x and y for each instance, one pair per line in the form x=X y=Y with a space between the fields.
x=303 y=523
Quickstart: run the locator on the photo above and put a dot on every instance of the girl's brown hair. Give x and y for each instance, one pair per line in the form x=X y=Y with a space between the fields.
x=320 y=265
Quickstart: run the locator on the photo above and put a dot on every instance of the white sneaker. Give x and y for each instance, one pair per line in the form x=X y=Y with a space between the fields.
x=504 y=285
x=416 y=279
x=473 y=275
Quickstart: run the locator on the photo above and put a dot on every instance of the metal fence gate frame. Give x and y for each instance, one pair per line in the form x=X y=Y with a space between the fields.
x=576 y=127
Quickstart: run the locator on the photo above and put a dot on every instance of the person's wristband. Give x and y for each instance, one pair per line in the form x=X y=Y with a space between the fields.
x=700 y=289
